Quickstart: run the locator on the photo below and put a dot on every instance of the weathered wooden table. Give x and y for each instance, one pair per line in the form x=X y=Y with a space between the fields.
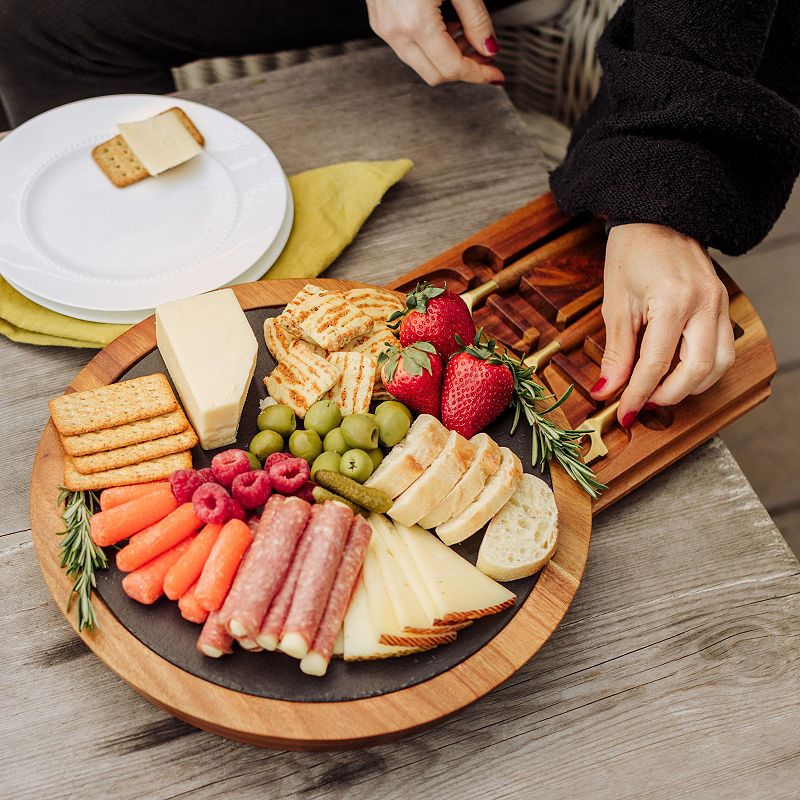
x=676 y=673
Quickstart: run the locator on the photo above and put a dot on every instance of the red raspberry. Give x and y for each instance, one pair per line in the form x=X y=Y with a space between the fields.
x=276 y=458
x=207 y=474
x=228 y=464
x=289 y=475
x=212 y=504
x=184 y=482
x=306 y=492
x=252 y=488
x=237 y=511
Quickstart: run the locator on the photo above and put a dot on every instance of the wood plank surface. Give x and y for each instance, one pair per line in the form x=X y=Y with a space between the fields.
x=675 y=673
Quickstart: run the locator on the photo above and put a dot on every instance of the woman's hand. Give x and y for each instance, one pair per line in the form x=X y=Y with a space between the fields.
x=416 y=31
x=661 y=282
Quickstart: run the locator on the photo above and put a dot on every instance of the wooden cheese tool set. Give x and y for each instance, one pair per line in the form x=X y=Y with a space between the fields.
x=535 y=282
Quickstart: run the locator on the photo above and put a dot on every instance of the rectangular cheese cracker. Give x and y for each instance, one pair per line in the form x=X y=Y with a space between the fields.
x=135 y=453
x=112 y=405
x=144 y=430
x=156 y=469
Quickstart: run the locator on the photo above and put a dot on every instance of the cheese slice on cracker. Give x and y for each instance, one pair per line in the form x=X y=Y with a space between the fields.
x=160 y=143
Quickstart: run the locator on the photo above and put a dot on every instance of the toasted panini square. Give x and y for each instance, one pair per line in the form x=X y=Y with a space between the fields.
x=373 y=344
x=352 y=391
x=379 y=304
x=301 y=379
x=288 y=317
x=278 y=338
x=331 y=321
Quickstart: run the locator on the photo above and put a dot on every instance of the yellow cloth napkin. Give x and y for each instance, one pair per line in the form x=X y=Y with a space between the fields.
x=331 y=204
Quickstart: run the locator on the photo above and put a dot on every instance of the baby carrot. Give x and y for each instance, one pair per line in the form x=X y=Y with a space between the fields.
x=223 y=561
x=117 y=495
x=146 y=584
x=116 y=524
x=191 y=610
x=187 y=569
x=158 y=537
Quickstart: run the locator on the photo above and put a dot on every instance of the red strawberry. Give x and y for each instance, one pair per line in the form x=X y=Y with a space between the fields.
x=478 y=386
x=414 y=376
x=434 y=315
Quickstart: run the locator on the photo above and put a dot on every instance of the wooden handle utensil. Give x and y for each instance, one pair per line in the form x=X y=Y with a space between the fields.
x=566 y=340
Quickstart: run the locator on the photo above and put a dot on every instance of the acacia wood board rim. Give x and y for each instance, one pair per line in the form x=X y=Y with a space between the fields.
x=301 y=725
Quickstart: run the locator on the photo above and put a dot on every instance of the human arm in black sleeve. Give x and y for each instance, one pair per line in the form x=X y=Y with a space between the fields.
x=697 y=122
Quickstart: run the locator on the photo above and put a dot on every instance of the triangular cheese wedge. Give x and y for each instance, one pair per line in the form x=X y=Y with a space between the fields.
x=361 y=641
x=459 y=591
x=382 y=611
x=403 y=585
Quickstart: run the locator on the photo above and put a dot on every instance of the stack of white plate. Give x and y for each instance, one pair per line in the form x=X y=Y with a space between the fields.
x=74 y=243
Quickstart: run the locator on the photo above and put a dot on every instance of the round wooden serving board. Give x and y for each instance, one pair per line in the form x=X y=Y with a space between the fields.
x=281 y=723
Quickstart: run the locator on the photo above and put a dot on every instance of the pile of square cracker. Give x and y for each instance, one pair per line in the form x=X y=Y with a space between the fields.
x=326 y=345
x=129 y=432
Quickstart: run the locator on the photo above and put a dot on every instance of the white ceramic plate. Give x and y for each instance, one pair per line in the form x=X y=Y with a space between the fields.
x=260 y=268
x=68 y=236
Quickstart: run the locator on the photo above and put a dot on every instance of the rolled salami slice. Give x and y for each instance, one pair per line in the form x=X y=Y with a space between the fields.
x=264 y=568
x=319 y=655
x=214 y=641
x=328 y=529
x=273 y=622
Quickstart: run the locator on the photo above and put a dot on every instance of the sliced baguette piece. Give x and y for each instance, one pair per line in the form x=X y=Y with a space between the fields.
x=523 y=535
x=440 y=477
x=492 y=498
x=410 y=458
x=485 y=462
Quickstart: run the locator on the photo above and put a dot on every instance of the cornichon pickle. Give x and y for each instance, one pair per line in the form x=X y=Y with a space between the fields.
x=373 y=499
x=321 y=495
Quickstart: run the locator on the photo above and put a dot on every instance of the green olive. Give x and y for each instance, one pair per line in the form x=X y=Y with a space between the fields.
x=377 y=456
x=323 y=417
x=278 y=418
x=356 y=464
x=360 y=431
x=395 y=404
x=327 y=460
x=393 y=425
x=265 y=443
x=254 y=462
x=334 y=441
x=305 y=444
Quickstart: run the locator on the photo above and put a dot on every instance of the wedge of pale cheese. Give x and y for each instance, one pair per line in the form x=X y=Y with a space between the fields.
x=458 y=590
x=410 y=600
x=160 y=143
x=382 y=611
x=210 y=351
x=361 y=640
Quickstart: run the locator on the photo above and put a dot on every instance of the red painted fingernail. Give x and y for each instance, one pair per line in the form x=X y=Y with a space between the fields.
x=492 y=48
x=629 y=419
x=598 y=387
x=498 y=83
x=648 y=406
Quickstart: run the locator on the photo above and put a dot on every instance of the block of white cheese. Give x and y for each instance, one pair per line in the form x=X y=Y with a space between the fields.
x=210 y=351
x=160 y=143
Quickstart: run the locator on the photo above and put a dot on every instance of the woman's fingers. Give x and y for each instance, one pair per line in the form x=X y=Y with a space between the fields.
x=661 y=338
x=477 y=26
x=451 y=63
x=409 y=53
x=620 y=349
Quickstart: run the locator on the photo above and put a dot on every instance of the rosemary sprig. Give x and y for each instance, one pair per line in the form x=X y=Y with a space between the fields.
x=548 y=440
x=80 y=556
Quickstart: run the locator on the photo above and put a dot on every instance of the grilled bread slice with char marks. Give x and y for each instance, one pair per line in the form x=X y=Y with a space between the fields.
x=379 y=304
x=425 y=493
x=352 y=391
x=411 y=457
x=301 y=379
x=330 y=321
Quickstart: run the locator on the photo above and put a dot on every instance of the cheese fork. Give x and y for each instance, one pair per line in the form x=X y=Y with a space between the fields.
x=568 y=339
x=595 y=426
x=510 y=276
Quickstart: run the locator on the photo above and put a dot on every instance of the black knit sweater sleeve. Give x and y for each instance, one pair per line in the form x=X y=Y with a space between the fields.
x=697 y=122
